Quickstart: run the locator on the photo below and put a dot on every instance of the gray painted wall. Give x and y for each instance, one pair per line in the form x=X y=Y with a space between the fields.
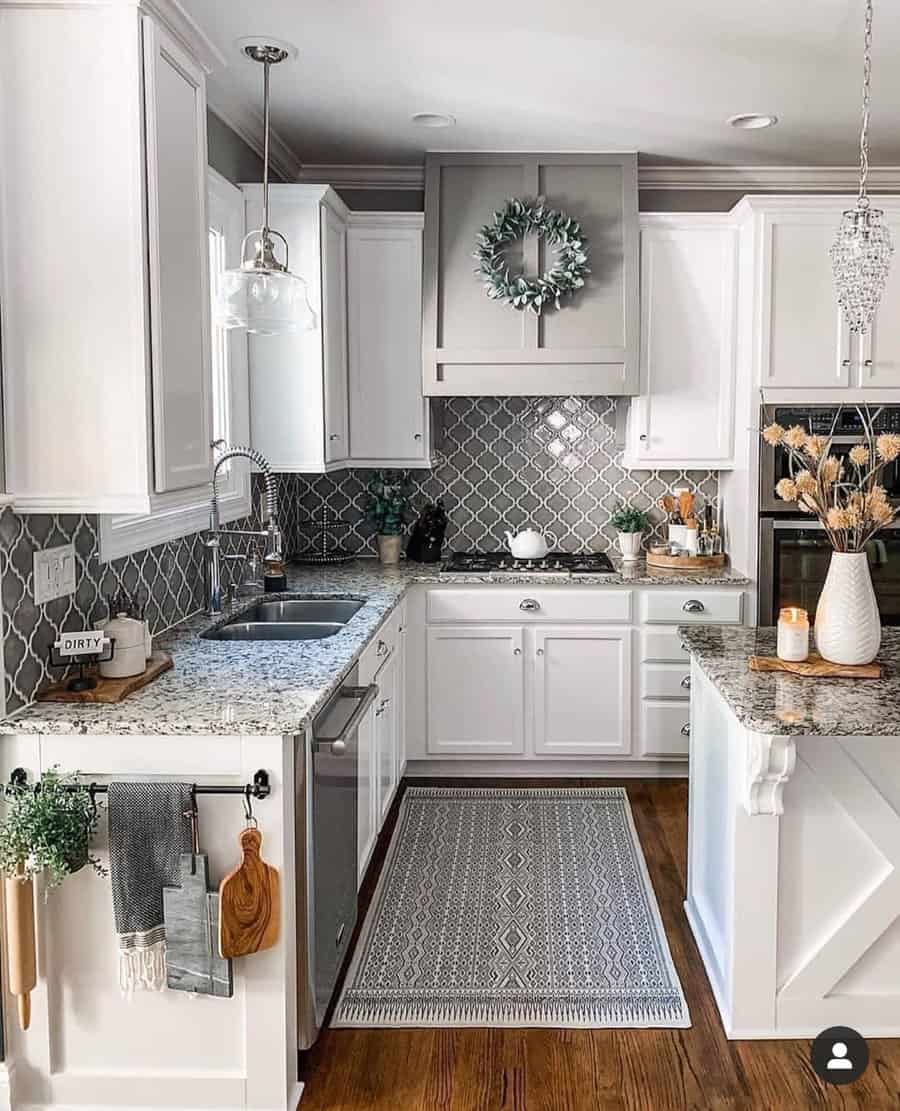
x=230 y=155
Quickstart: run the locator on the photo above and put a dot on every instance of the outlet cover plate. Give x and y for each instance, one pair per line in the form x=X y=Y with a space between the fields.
x=54 y=573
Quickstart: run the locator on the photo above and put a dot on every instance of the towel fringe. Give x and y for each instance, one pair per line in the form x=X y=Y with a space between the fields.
x=143 y=969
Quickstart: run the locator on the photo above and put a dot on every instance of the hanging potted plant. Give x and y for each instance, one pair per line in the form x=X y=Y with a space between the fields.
x=46 y=831
x=630 y=524
x=388 y=511
x=852 y=506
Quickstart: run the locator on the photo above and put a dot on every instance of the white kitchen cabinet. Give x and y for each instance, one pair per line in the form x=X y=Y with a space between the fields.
x=476 y=690
x=582 y=690
x=298 y=383
x=105 y=325
x=684 y=416
x=387 y=735
x=800 y=337
x=366 y=773
x=389 y=423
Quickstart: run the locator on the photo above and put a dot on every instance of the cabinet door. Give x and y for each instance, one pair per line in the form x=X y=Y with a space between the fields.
x=685 y=414
x=386 y=737
x=582 y=691
x=476 y=690
x=367 y=817
x=384 y=297
x=804 y=339
x=334 y=328
x=175 y=107
x=880 y=348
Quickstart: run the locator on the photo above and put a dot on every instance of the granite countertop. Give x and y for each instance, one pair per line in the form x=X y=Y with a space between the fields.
x=276 y=687
x=778 y=704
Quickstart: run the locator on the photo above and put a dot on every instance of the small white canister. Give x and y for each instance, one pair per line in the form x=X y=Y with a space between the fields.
x=793 y=634
x=130 y=649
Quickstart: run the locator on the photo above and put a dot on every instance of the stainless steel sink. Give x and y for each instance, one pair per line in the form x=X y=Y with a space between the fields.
x=289 y=619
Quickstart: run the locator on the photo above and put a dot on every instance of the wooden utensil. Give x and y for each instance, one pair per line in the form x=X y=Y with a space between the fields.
x=686 y=504
x=249 y=902
x=667 y=503
x=815 y=667
x=21 y=964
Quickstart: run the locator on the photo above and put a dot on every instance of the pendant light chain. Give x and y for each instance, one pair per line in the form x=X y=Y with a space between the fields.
x=266 y=67
x=867 y=99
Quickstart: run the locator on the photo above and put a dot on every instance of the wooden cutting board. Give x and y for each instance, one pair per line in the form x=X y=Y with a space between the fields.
x=249 y=902
x=816 y=668
x=110 y=690
x=686 y=563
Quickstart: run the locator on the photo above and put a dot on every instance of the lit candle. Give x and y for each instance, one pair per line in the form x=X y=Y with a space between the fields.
x=793 y=634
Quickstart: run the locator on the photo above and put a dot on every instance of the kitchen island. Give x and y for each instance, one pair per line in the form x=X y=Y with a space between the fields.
x=794 y=840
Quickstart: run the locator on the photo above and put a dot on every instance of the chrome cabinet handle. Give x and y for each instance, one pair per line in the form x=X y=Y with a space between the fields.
x=517 y=651
x=845 y=362
x=643 y=436
x=692 y=605
x=418 y=436
x=686 y=729
x=540 y=651
x=868 y=362
x=381 y=649
x=334 y=436
x=529 y=605
x=686 y=682
x=338 y=747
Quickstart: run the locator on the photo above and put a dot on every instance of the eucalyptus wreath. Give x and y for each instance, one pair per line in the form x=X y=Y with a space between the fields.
x=515 y=220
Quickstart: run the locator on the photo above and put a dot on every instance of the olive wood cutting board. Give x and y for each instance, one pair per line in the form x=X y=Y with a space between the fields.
x=110 y=690
x=249 y=902
x=816 y=668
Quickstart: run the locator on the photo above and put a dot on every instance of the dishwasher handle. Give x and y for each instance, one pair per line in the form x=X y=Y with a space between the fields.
x=338 y=745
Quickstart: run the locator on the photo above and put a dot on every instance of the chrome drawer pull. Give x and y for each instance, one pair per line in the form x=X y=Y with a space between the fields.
x=517 y=651
x=692 y=605
x=529 y=605
x=686 y=729
x=382 y=649
x=686 y=682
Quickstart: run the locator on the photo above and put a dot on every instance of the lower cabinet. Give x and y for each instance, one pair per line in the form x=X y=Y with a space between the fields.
x=387 y=718
x=367 y=820
x=582 y=691
x=476 y=690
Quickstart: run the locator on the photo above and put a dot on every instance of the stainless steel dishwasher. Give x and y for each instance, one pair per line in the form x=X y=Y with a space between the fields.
x=326 y=761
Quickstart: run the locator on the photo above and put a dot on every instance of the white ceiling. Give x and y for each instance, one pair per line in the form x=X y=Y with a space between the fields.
x=657 y=76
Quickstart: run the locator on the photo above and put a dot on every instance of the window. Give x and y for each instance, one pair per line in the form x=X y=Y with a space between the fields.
x=185 y=511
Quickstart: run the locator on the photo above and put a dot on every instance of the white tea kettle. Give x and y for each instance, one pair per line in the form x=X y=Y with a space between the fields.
x=529 y=544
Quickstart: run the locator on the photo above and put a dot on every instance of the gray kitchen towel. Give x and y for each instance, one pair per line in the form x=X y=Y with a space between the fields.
x=148 y=832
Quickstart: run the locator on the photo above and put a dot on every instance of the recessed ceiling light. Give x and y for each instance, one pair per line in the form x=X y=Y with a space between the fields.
x=433 y=119
x=752 y=121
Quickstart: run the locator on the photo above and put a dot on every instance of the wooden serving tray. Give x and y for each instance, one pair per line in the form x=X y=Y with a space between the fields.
x=686 y=563
x=816 y=668
x=110 y=690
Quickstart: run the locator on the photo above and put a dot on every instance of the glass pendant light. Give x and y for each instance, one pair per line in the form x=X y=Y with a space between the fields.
x=262 y=295
x=861 y=253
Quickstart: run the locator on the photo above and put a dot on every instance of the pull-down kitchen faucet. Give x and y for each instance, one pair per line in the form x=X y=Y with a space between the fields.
x=274 y=556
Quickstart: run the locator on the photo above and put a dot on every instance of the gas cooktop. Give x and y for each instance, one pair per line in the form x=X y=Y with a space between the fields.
x=479 y=563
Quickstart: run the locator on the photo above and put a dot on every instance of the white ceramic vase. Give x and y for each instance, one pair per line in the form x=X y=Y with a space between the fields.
x=848 y=625
x=630 y=545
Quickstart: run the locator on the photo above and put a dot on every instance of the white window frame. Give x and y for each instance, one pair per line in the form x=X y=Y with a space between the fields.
x=183 y=512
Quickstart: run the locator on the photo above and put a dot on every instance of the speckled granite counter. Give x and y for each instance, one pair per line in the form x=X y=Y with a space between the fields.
x=266 y=687
x=785 y=705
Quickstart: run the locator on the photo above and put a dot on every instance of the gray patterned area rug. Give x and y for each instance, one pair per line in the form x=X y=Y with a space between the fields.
x=520 y=907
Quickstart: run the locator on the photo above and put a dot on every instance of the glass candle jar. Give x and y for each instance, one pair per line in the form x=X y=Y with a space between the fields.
x=793 y=634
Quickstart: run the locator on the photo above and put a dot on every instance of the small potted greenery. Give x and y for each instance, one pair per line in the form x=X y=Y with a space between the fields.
x=388 y=511
x=630 y=524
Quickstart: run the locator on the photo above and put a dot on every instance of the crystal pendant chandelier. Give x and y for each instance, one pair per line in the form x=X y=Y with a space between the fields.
x=262 y=295
x=861 y=253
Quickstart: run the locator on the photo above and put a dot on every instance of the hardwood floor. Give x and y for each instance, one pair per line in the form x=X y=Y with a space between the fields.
x=590 y=1070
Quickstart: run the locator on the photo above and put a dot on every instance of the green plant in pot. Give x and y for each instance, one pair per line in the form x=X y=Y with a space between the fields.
x=630 y=524
x=388 y=511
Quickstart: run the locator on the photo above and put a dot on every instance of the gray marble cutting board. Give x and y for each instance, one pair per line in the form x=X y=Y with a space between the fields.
x=191 y=914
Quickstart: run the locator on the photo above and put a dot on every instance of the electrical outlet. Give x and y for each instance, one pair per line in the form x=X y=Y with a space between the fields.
x=54 y=573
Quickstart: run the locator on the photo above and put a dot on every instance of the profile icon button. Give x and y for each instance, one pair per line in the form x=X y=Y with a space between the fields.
x=839 y=1055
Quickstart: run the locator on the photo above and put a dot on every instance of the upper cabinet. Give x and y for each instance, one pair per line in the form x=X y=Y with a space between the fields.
x=105 y=302
x=684 y=416
x=389 y=423
x=298 y=383
x=801 y=340
x=474 y=345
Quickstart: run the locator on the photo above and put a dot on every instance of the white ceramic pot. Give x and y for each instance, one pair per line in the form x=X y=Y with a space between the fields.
x=630 y=545
x=389 y=548
x=130 y=650
x=848 y=624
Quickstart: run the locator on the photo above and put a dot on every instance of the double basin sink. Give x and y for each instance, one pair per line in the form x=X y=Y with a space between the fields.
x=289 y=619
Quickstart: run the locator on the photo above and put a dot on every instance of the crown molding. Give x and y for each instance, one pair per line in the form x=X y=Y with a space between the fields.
x=745 y=179
x=774 y=179
x=248 y=123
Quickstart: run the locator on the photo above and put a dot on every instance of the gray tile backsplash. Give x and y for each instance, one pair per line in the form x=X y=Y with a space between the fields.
x=499 y=463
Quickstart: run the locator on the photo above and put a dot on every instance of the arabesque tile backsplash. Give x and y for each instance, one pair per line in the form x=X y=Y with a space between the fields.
x=498 y=463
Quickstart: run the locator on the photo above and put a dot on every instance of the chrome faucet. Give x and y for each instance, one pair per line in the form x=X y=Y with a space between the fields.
x=274 y=551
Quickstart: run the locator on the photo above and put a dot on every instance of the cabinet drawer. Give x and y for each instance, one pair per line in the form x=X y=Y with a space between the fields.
x=527 y=603
x=701 y=607
x=381 y=648
x=662 y=645
x=661 y=729
x=666 y=680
